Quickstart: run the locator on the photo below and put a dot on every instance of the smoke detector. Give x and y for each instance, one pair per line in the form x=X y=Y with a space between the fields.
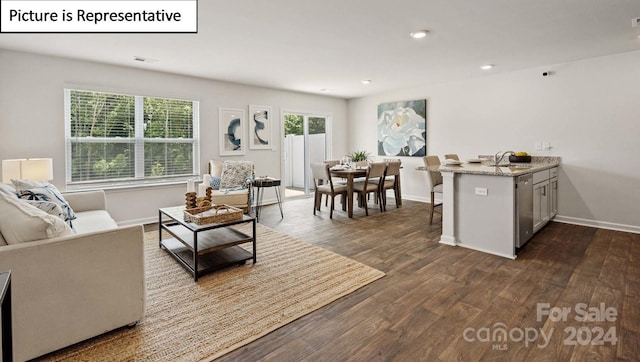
x=635 y=22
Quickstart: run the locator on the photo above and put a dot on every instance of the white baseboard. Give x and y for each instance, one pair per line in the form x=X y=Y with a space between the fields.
x=597 y=224
x=154 y=219
x=564 y=219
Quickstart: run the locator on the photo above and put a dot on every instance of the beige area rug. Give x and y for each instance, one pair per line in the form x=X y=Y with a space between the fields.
x=189 y=321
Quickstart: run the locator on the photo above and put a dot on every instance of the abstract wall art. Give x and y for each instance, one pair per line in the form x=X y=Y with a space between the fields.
x=402 y=128
x=232 y=135
x=260 y=128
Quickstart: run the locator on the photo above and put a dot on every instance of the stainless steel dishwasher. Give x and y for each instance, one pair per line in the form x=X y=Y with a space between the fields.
x=524 y=209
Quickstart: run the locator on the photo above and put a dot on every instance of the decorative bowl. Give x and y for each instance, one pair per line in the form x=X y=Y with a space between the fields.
x=518 y=159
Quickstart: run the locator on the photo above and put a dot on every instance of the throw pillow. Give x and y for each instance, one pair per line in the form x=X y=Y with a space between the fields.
x=27 y=184
x=2 y=241
x=8 y=190
x=21 y=222
x=215 y=182
x=235 y=174
x=50 y=208
x=49 y=193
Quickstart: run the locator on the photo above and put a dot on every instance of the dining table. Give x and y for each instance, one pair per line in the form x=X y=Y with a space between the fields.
x=350 y=174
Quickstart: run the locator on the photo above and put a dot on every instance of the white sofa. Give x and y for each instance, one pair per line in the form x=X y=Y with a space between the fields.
x=70 y=288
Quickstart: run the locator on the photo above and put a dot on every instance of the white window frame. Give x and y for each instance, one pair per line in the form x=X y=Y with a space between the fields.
x=139 y=142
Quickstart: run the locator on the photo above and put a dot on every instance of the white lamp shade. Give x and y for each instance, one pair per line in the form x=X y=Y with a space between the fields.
x=35 y=169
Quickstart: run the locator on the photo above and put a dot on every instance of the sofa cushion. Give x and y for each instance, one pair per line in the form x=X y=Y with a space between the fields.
x=235 y=197
x=21 y=222
x=50 y=193
x=90 y=221
x=2 y=241
x=235 y=174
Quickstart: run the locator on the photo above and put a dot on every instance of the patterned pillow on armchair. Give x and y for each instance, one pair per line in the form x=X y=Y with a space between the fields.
x=235 y=174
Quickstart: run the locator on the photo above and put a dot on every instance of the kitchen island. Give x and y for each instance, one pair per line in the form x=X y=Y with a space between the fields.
x=482 y=208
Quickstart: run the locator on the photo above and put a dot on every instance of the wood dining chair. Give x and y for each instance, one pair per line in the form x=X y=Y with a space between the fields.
x=324 y=186
x=375 y=172
x=391 y=181
x=434 y=182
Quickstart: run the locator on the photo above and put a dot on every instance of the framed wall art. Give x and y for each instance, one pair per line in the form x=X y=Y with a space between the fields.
x=232 y=131
x=260 y=133
x=402 y=128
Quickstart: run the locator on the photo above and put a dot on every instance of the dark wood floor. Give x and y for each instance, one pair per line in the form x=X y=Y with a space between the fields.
x=434 y=295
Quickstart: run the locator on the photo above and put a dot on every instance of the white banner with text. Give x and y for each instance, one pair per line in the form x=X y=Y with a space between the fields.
x=98 y=16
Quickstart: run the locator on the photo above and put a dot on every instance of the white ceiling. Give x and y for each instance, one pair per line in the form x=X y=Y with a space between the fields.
x=309 y=45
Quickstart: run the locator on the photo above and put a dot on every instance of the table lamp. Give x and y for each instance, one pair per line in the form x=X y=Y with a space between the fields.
x=34 y=169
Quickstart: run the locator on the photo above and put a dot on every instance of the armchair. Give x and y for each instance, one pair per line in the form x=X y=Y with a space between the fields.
x=235 y=183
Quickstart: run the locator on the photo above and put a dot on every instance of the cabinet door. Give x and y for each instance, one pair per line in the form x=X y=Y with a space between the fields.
x=553 y=197
x=540 y=204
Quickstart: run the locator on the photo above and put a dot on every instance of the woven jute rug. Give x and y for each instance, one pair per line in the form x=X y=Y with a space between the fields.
x=191 y=321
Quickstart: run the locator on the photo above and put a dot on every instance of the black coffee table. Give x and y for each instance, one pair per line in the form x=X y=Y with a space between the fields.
x=204 y=248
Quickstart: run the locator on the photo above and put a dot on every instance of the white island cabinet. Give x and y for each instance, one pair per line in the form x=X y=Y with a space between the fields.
x=483 y=210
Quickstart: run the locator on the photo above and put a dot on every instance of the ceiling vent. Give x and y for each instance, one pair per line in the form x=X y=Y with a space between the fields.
x=144 y=60
x=635 y=22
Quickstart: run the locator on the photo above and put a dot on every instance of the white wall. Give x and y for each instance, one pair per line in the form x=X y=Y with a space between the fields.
x=589 y=110
x=32 y=117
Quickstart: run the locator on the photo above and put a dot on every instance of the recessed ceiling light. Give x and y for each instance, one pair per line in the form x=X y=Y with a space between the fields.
x=419 y=34
x=325 y=90
x=486 y=66
x=366 y=81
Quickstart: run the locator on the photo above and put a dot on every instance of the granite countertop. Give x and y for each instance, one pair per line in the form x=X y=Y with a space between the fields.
x=538 y=163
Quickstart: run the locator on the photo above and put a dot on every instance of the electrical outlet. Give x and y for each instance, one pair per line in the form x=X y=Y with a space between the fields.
x=482 y=191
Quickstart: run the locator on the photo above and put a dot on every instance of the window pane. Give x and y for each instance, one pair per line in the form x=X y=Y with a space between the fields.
x=168 y=159
x=117 y=138
x=293 y=124
x=96 y=114
x=100 y=161
x=316 y=125
x=168 y=118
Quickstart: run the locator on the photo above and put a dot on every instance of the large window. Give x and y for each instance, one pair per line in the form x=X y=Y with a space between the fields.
x=117 y=139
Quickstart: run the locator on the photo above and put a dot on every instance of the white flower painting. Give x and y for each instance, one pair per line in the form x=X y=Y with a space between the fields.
x=402 y=128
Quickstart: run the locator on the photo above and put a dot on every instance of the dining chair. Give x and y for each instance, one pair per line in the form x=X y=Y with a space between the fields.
x=324 y=186
x=336 y=180
x=434 y=182
x=391 y=181
x=375 y=172
x=451 y=156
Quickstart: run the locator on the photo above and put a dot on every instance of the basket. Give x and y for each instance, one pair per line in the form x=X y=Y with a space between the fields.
x=212 y=214
x=518 y=159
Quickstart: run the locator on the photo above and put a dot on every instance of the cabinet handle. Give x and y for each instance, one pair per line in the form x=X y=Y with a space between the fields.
x=544 y=190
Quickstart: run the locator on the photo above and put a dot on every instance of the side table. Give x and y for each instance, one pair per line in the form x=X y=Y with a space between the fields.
x=260 y=183
x=7 y=330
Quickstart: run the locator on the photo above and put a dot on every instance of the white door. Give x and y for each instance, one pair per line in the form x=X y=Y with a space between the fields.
x=305 y=142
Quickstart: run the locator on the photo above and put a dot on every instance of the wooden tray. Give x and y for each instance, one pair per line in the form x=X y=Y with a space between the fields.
x=212 y=214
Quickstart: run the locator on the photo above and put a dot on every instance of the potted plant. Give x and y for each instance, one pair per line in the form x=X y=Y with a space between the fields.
x=359 y=156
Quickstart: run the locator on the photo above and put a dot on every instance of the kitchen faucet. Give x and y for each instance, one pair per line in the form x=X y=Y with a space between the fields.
x=497 y=159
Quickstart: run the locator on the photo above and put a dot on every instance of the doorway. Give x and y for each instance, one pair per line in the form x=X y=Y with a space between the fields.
x=305 y=142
